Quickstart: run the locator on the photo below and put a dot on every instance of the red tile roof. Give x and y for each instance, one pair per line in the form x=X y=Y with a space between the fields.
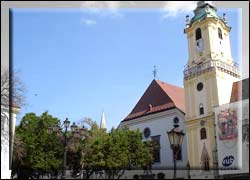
x=240 y=90
x=158 y=97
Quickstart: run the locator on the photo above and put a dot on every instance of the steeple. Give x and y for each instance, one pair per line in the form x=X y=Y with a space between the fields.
x=208 y=78
x=102 y=123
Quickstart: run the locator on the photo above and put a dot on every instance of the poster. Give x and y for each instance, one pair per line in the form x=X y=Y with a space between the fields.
x=228 y=124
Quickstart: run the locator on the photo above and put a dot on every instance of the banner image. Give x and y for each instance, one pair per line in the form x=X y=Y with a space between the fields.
x=227 y=124
x=228 y=136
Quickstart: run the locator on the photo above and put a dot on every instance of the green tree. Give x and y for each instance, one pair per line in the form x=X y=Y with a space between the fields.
x=19 y=153
x=125 y=150
x=110 y=152
x=114 y=152
x=44 y=152
x=92 y=154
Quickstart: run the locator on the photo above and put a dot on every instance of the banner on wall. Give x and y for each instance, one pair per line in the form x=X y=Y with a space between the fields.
x=228 y=121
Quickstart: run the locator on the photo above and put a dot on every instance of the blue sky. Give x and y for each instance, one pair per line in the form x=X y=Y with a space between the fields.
x=76 y=63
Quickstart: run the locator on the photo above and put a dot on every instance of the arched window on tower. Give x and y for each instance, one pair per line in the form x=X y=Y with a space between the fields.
x=203 y=133
x=220 y=33
x=198 y=34
x=201 y=109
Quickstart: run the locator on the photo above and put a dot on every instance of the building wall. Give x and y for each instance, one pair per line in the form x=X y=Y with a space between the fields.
x=208 y=97
x=5 y=141
x=159 y=124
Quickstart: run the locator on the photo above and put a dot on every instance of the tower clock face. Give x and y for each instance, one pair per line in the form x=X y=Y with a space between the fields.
x=199 y=45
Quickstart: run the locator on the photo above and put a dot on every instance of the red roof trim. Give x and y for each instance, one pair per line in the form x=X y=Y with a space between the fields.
x=153 y=110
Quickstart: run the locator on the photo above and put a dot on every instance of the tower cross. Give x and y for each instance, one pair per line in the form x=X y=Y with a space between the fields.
x=154 y=71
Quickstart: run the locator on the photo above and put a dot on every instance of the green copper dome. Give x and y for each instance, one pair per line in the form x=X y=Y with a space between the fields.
x=204 y=10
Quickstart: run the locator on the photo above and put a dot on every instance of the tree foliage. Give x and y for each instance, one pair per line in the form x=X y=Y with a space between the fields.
x=43 y=151
x=97 y=151
x=19 y=151
x=126 y=151
x=115 y=152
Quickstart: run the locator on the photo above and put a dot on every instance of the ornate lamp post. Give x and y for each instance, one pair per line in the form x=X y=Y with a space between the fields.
x=76 y=131
x=175 y=137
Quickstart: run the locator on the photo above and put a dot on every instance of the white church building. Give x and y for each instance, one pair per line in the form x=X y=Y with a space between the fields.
x=158 y=110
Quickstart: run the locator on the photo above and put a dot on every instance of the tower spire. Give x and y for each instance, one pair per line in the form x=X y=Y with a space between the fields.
x=103 y=123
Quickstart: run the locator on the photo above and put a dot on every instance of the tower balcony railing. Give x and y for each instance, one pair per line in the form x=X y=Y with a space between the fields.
x=189 y=71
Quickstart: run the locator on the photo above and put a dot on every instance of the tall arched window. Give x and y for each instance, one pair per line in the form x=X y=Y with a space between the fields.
x=220 y=33
x=201 y=109
x=198 y=34
x=203 y=133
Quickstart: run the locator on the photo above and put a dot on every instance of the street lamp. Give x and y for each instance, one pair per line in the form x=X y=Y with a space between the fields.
x=175 y=137
x=76 y=131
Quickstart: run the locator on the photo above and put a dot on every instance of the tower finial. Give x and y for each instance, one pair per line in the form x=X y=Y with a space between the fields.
x=225 y=18
x=187 y=20
x=200 y=3
x=154 y=71
x=204 y=3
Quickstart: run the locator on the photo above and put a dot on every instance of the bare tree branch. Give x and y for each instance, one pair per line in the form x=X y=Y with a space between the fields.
x=12 y=85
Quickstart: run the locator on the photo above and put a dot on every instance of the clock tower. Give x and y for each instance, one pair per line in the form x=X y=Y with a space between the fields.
x=208 y=78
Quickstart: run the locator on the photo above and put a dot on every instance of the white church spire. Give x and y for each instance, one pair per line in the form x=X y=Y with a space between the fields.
x=103 y=124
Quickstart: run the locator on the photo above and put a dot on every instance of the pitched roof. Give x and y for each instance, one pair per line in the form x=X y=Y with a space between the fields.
x=240 y=90
x=158 y=97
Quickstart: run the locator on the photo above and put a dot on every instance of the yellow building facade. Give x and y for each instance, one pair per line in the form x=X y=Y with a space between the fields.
x=208 y=78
